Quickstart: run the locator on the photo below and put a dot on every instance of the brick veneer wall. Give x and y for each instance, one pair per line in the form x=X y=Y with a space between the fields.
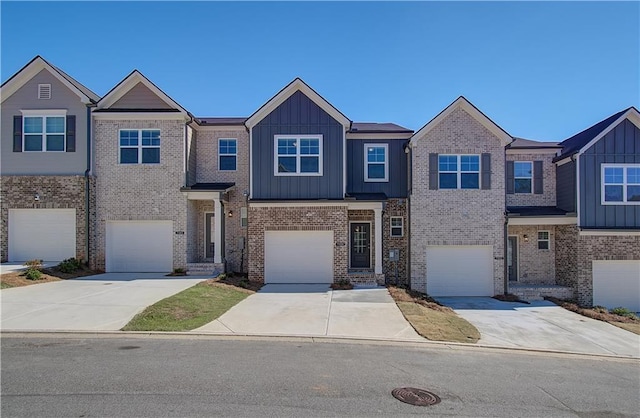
x=548 y=196
x=395 y=207
x=457 y=217
x=535 y=266
x=56 y=192
x=313 y=218
x=141 y=191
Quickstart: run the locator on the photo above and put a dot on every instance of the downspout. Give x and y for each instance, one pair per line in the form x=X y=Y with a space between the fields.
x=87 y=191
x=407 y=151
x=506 y=243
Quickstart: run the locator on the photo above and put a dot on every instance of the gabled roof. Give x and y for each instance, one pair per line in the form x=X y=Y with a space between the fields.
x=462 y=103
x=297 y=85
x=586 y=138
x=521 y=143
x=130 y=82
x=32 y=68
x=373 y=127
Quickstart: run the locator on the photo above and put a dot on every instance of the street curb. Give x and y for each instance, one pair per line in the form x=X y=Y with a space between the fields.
x=300 y=338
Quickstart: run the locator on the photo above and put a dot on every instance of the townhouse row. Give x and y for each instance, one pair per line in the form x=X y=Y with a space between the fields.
x=298 y=193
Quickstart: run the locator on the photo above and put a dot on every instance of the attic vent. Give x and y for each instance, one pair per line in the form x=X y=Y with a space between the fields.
x=44 y=91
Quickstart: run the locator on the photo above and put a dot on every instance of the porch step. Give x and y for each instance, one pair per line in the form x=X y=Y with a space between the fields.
x=533 y=292
x=365 y=278
x=205 y=269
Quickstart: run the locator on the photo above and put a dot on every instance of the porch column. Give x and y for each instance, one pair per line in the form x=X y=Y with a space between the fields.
x=217 y=231
x=378 y=240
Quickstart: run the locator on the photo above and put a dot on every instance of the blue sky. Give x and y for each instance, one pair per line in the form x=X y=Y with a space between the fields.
x=541 y=70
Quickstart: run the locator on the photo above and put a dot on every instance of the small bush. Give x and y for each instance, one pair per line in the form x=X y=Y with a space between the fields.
x=244 y=283
x=623 y=312
x=34 y=264
x=70 y=265
x=179 y=271
x=33 y=274
x=600 y=309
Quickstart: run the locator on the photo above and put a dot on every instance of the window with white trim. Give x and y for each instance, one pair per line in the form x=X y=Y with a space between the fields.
x=523 y=176
x=227 y=154
x=298 y=155
x=44 y=133
x=243 y=217
x=139 y=146
x=459 y=171
x=376 y=162
x=621 y=184
x=397 y=226
x=543 y=240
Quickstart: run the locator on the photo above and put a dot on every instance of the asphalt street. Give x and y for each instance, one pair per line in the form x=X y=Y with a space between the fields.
x=73 y=376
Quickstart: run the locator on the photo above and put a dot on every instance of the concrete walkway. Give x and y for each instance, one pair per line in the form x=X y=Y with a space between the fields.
x=316 y=310
x=105 y=302
x=542 y=325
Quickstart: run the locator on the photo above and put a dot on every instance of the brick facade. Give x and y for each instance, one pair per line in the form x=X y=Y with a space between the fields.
x=395 y=207
x=535 y=266
x=548 y=196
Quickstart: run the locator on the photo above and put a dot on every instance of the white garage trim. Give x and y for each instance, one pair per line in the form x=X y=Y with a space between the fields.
x=298 y=257
x=460 y=270
x=46 y=234
x=139 y=246
x=617 y=283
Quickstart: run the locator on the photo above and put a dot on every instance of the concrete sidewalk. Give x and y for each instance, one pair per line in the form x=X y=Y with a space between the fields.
x=315 y=310
x=101 y=302
x=542 y=325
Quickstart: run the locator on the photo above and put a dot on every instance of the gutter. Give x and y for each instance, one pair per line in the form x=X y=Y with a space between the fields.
x=87 y=187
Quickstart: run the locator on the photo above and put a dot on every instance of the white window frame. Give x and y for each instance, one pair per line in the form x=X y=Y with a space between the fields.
x=392 y=227
x=234 y=155
x=386 y=163
x=139 y=146
x=42 y=89
x=44 y=114
x=624 y=184
x=244 y=217
x=297 y=155
x=459 y=171
x=527 y=178
x=547 y=240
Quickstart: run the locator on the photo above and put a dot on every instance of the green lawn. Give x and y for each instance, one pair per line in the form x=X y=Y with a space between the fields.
x=188 y=309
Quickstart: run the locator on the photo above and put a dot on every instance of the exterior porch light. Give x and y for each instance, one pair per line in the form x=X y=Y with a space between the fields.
x=526 y=238
x=230 y=214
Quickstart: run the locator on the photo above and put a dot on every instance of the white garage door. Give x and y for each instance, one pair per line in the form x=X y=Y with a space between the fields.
x=298 y=257
x=45 y=234
x=617 y=283
x=460 y=270
x=139 y=246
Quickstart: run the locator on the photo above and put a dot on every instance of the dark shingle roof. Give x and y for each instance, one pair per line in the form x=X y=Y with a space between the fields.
x=535 y=211
x=367 y=196
x=136 y=110
x=212 y=187
x=221 y=121
x=372 y=127
x=521 y=143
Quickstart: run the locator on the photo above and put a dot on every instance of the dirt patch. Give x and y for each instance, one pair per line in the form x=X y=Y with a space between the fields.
x=400 y=294
x=237 y=281
x=49 y=274
x=341 y=285
x=601 y=314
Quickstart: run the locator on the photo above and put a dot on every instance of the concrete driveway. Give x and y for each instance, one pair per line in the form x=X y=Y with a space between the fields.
x=542 y=325
x=316 y=310
x=101 y=302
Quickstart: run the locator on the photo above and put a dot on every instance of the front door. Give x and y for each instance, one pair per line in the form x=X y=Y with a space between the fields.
x=512 y=258
x=360 y=245
x=208 y=235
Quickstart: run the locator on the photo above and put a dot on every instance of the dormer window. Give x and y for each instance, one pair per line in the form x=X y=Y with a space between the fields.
x=44 y=91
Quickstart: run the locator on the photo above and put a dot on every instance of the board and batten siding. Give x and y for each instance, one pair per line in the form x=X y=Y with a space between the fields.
x=620 y=145
x=566 y=186
x=396 y=187
x=36 y=162
x=297 y=115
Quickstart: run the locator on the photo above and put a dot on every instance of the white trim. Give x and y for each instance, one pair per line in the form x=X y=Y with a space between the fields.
x=605 y=233
x=465 y=105
x=371 y=243
x=549 y=220
x=296 y=85
x=459 y=171
x=139 y=147
x=366 y=163
x=515 y=177
x=43 y=112
x=355 y=205
x=205 y=232
x=244 y=214
x=517 y=237
x=44 y=115
x=631 y=114
x=200 y=195
x=228 y=155
x=564 y=161
x=344 y=163
x=139 y=116
x=218 y=215
x=577 y=174
x=531 y=151
x=391 y=218
x=624 y=184
x=250 y=163
x=548 y=240
x=298 y=156
x=378 y=135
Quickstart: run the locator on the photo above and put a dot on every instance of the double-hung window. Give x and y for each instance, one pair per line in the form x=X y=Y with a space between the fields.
x=139 y=146
x=227 y=152
x=620 y=184
x=523 y=176
x=298 y=155
x=459 y=171
x=543 y=240
x=376 y=165
x=397 y=226
x=44 y=133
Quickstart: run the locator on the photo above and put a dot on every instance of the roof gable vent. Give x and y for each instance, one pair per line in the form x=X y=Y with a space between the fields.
x=44 y=91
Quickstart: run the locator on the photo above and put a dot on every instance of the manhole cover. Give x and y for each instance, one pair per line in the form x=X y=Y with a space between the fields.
x=414 y=396
x=128 y=347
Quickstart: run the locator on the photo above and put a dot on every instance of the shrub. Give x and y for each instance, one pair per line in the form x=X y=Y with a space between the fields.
x=623 y=312
x=34 y=264
x=600 y=309
x=70 y=265
x=33 y=274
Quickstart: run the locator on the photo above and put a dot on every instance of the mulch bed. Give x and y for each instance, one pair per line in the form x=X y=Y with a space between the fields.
x=400 y=294
x=594 y=313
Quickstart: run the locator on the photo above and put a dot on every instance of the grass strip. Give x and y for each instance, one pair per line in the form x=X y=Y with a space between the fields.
x=438 y=325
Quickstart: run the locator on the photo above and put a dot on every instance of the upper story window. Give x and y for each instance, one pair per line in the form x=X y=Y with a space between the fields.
x=523 y=176
x=376 y=164
x=621 y=184
x=44 y=133
x=139 y=146
x=227 y=154
x=397 y=226
x=459 y=171
x=298 y=155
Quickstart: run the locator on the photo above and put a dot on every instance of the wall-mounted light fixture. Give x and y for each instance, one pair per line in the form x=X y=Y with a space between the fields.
x=526 y=238
x=36 y=197
x=230 y=214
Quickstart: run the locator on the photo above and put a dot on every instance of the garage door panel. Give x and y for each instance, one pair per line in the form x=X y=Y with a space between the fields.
x=139 y=246
x=47 y=234
x=457 y=270
x=298 y=257
x=617 y=283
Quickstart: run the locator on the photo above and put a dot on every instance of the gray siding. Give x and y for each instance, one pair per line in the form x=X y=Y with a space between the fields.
x=620 y=145
x=140 y=97
x=43 y=163
x=566 y=186
x=297 y=115
x=397 y=184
